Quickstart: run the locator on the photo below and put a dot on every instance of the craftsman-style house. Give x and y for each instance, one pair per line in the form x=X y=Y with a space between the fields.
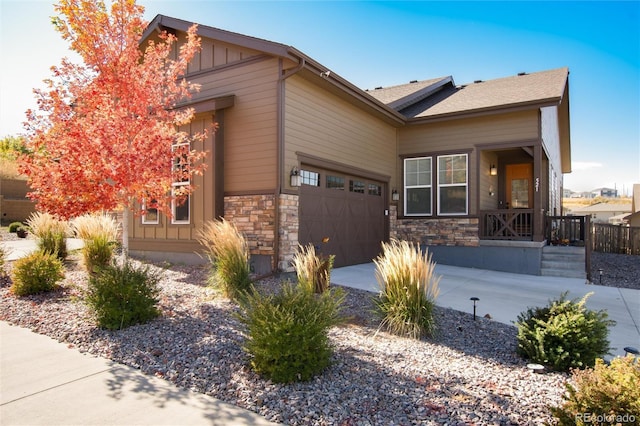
x=302 y=156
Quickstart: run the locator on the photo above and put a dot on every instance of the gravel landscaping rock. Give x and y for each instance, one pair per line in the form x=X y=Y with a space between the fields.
x=469 y=374
x=618 y=270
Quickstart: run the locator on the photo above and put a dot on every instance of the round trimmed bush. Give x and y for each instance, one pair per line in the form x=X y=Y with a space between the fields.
x=123 y=295
x=35 y=273
x=564 y=334
x=287 y=333
x=13 y=226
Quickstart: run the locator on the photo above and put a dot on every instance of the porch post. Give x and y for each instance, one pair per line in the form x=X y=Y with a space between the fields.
x=538 y=190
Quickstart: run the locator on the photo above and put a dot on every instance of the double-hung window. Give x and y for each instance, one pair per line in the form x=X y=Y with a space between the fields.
x=417 y=186
x=450 y=173
x=452 y=184
x=180 y=204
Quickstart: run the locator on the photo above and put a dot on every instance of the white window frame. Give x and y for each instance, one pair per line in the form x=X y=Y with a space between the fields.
x=440 y=185
x=144 y=216
x=407 y=187
x=176 y=185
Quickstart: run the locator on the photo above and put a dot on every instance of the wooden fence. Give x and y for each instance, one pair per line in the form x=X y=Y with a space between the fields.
x=619 y=239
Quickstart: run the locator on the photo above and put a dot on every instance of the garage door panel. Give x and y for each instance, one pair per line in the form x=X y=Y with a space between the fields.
x=351 y=217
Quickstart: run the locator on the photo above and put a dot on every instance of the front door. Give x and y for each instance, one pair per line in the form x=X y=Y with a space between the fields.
x=519 y=186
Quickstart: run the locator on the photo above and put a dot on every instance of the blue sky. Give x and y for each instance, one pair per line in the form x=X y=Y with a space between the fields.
x=385 y=43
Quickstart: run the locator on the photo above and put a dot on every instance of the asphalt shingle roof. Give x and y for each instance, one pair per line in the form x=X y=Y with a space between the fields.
x=499 y=93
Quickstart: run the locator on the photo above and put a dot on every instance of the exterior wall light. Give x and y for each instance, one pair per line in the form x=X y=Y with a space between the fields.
x=493 y=170
x=295 y=178
x=395 y=196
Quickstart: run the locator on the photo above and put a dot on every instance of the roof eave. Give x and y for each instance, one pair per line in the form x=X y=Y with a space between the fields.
x=160 y=22
x=478 y=112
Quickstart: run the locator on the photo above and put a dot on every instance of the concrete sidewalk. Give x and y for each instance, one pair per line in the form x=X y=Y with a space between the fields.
x=16 y=249
x=42 y=382
x=504 y=296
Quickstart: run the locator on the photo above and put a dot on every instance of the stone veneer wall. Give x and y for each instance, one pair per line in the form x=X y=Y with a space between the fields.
x=253 y=215
x=288 y=229
x=460 y=232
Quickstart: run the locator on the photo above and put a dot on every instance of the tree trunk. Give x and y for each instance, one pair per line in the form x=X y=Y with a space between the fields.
x=125 y=233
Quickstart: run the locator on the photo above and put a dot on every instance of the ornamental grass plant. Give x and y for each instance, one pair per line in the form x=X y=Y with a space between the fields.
x=50 y=232
x=99 y=233
x=228 y=253
x=409 y=288
x=312 y=270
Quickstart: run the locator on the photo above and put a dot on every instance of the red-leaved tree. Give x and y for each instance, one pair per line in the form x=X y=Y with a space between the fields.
x=106 y=134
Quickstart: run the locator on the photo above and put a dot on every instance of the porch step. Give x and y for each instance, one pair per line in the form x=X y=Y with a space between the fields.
x=561 y=261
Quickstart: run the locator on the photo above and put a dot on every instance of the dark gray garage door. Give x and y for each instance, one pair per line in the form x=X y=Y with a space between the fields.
x=347 y=212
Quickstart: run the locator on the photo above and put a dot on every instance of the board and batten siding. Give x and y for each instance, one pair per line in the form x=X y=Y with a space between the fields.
x=145 y=237
x=320 y=124
x=550 y=128
x=251 y=125
x=250 y=147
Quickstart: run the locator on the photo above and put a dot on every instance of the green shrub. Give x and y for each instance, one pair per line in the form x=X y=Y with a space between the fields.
x=313 y=271
x=123 y=295
x=228 y=253
x=609 y=392
x=564 y=334
x=35 y=273
x=409 y=289
x=51 y=233
x=99 y=233
x=287 y=336
x=13 y=226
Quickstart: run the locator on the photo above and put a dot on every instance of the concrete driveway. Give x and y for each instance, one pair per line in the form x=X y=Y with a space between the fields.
x=505 y=295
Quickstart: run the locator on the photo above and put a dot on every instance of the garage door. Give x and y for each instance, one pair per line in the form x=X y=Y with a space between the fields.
x=342 y=215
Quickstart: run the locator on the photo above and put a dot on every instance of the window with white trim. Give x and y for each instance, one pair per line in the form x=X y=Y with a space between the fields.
x=417 y=186
x=180 y=204
x=452 y=184
x=150 y=215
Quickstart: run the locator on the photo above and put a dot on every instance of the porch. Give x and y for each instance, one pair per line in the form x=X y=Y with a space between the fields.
x=570 y=236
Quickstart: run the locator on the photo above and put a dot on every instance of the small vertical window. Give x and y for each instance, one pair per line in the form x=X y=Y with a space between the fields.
x=150 y=215
x=417 y=186
x=180 y=209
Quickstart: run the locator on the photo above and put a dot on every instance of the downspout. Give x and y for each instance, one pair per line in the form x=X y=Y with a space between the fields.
x=280 y=153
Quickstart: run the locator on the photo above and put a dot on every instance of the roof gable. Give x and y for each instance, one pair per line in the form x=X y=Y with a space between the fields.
x=161 y=22
x=403 y=95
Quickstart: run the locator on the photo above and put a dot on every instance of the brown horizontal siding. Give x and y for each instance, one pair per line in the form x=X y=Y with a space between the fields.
x=462 y=134
x=320 y=124
x=250 y=125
